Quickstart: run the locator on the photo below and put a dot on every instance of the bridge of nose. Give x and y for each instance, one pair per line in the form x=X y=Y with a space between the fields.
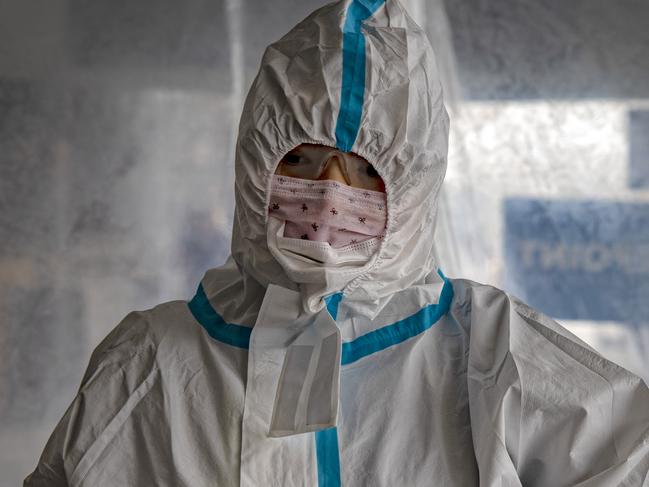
x=333 y=170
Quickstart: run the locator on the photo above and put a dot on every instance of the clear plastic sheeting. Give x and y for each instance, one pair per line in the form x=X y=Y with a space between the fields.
x=117 y=126
x=538 y=201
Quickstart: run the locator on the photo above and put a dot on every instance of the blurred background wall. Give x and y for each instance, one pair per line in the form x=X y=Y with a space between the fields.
x=117 y=127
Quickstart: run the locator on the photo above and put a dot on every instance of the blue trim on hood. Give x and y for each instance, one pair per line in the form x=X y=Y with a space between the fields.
x=353 y=75
x=206 y=315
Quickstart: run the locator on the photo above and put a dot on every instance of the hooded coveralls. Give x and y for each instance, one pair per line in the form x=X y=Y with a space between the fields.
x=433 y=381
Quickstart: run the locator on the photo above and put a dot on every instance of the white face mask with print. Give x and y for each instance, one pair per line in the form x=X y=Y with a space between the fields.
x=306 y=253
x=327 y=211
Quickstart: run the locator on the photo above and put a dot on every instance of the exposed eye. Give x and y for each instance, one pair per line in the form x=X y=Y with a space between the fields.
x=371 y=171
x=291 y=159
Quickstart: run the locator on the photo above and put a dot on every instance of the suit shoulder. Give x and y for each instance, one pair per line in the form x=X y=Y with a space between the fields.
x=137 y=335
x=490 y=307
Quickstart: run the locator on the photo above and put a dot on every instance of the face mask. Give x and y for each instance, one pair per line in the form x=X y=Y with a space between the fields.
x=327 y=211
x=305 y=253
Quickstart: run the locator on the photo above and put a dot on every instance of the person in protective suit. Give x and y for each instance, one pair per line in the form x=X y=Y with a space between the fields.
x=330 y=349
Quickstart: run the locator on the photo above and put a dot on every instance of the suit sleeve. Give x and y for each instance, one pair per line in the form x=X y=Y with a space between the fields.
x=117 y=365
x=546 y=409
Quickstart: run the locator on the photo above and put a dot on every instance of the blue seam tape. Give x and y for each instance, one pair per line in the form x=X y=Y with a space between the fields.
x=206 y=315
x=326 y=443
x=327 y=450
x=400 y=331
x=374 y=341
x=353 y=75
x=332 y=304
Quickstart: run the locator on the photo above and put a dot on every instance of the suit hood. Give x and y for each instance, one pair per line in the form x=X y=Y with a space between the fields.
x=360 y=76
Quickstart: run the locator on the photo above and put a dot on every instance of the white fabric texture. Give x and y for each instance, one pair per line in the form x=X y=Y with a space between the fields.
x=438 y=382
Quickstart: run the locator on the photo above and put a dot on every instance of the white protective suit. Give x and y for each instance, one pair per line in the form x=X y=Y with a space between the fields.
x=282 y=372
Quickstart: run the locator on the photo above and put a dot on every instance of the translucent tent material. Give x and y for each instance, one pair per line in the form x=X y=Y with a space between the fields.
x=117 y=125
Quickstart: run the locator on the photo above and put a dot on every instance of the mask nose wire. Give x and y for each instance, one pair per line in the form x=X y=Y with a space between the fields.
x=342 y=164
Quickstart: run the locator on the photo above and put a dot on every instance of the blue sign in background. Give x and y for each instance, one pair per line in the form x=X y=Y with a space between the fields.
x=581 y=260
